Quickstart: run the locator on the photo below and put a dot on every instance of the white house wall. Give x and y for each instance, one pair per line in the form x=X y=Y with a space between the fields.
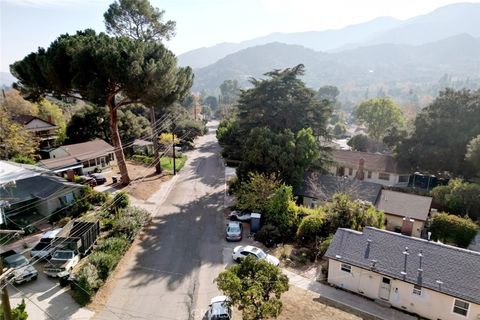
x=393 y=179
x=430 y=304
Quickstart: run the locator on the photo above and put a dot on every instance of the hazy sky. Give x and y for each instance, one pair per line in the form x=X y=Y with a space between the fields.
x=26 y=25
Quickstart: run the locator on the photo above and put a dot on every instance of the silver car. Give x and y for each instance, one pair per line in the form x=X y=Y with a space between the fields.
x=234 y=231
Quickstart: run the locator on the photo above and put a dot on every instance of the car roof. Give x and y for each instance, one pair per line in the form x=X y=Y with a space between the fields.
x=234 y=224
x=251 y=249
x=51 y=234
x=219 y=299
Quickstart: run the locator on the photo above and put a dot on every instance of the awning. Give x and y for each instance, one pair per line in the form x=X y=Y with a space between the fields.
x=76 y=166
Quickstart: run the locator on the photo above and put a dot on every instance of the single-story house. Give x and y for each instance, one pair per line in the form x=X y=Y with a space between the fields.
x=430 y=279
x=316 y=188
x=405 y=212
x=142 y=147
x=371 y=167
x=45 y=131
x=30 y=190
x=82 y=158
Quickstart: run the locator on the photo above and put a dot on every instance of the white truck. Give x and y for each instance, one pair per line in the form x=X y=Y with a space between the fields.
x=79 y=239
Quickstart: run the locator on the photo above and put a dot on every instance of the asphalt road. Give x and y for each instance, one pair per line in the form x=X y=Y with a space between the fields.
x=170 y=274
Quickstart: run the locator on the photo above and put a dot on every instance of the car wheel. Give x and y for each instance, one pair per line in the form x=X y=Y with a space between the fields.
x=238 y=260
x=34 y=278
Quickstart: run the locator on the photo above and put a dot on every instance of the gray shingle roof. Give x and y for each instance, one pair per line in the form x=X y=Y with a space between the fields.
x=405 y=204
x=373 y=161
x=324 y=187
x=456 y=268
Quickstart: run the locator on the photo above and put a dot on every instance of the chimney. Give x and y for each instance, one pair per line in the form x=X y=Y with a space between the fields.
x=407 y=226
x=50 y=119
x=361 y=172
x=70 y=175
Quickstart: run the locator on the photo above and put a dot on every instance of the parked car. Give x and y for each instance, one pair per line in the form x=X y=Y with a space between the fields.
x=23 y=271
x=99 y=178
x=43 y=248
x=241 y=252
x=239 y=216
x=219 y=309
x=62 y=263
x=88 y=180
x=234 y=231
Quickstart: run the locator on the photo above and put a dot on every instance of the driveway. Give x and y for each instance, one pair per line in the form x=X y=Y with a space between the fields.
x=170 y=273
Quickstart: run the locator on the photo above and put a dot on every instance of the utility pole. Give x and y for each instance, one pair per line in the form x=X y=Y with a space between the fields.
x=7 y=309
x=156 y=158
x=173 y=147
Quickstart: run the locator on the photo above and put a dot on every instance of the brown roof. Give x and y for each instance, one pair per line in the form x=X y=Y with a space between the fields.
x=57 y=163
x=88 y=150
x=373 y=161
x=25 y=119
x=404 y=204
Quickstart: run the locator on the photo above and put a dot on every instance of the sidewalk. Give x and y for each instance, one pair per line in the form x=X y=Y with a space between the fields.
x=348 y=301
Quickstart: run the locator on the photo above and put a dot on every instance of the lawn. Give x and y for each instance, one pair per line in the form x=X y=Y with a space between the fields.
x=167 y=163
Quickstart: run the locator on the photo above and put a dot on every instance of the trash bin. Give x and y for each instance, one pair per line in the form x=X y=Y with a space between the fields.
x=63 y=281
x=255 y=222
x=114 y=179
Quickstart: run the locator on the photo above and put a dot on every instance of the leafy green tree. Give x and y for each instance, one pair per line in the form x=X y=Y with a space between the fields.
x=104 y=71
x=282 y=101
x=459 y=197
x=285 y=153
x=310 y=228
x=48 y=109
x=473 y=154
x=229 y=90
x=329 y=93
x=139 y=20
x=339 y=129
x=212 y=102
x=15 y=141
x=255 y=286
x=453 y=229
x=360 y=142
x=441 y=134
x=229 y=137
x=18 y=313
x=253 y=194
x=378 y=115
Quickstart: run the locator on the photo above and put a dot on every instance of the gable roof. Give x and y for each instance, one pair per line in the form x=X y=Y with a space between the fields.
x=76 y=153
x=11 y=171
x=373 y=161
x=324 y=187
x=26 y=119
x=405 y=204
x=447 y=269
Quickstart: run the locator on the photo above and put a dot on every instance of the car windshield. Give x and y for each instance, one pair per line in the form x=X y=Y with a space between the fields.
x=62 y=255
x=261 y=254
x=16 y=260
x=233 y=229
x=40 y=246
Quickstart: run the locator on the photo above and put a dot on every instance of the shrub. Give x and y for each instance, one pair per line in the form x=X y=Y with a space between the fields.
x=86 y=284
x=23 y=159
x=130 y=222
x=269 y=235
x=310 y=228
x=104 y=262
x=120 y=201
x=323 y=246
x=142 y=159
x=77 y=179
x=64 y=221
x=114 y=245
x=450 y=228
x=18 y=313
x=95 y=197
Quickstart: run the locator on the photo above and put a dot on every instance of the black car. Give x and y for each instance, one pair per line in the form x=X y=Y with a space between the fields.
x=99 y=178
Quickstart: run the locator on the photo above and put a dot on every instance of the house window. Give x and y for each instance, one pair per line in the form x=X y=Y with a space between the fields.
x=369 y=174
x=384 y=176
x=350 y=171
x=461 y=307
x=85 y=164
x=92 y=163
x=346 y=267
x=417 y=290
x=403 y=179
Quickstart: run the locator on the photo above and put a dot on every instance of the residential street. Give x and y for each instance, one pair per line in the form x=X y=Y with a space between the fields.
x=170 y=273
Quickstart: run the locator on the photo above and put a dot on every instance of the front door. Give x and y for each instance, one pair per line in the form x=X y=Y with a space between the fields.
x=385 y=289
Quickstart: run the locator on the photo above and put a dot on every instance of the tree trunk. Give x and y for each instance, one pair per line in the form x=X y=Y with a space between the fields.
x=156 y=147
x=117 y=143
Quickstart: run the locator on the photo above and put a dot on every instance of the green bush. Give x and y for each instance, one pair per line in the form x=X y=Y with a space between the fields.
x=269 y=235
x=114 y=245
x=323 y=247
x=18 y=313
x=22 y=159
x=310 y=228
x=451 y=228
x=95 y=197
x=86 y=284
x=64 y=221
x=120 y=201
x=142 y=159
x=104 y=262
x=130 y=222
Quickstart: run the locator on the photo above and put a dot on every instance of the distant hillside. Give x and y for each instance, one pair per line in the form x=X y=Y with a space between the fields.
x=6 y=79
x=442 y=23
x=390 y=66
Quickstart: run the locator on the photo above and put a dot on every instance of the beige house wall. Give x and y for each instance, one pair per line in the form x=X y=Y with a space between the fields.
x=53 y=203
x=396 y=221
x=430 y=304
x=58 y=153
x=393 y=179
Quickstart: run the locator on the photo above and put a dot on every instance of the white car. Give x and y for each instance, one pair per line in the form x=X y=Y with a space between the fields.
x=43 y=249
x=219 y=309
x=61 y=263
x=241 y=252
x=239 y=216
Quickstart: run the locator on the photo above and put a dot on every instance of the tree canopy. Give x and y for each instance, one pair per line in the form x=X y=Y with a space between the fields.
x=112 y=71
x=473 y=154
x=14 y=139
x=378 y=115
x=451 y=228
x=441 y=134
x=255 y=286
x=139 y=20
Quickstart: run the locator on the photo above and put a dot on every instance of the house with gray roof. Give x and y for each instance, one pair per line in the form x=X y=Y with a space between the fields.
x=316 y=188
x=32 y=190
x=430 y=279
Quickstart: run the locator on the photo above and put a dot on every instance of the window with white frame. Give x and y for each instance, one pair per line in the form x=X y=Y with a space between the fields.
x=417 y=290
x=346 y=267
x=384 y=176
x=461 y=307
